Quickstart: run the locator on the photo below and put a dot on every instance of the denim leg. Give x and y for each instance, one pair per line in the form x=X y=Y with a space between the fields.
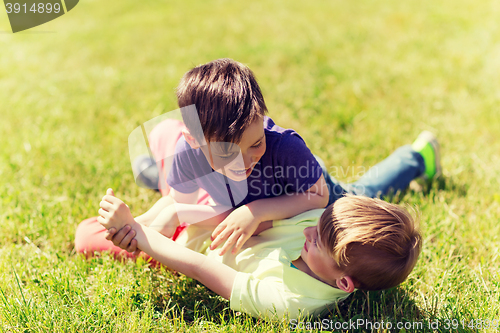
x=392 y=174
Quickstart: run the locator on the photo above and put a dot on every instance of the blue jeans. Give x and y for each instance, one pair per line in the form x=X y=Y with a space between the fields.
x=391 y=175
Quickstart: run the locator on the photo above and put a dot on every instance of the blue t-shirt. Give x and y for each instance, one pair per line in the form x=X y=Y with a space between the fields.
x=287 y=167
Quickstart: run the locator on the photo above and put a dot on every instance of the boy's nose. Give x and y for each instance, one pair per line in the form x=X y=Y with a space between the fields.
x=307 y=233
x=249 y=160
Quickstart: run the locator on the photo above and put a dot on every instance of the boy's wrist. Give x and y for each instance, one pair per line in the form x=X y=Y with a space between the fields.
x=251 y=209
x=142 y=220
x=257 y=211
x=166 y=222
x=133 y=224
x=264 y=225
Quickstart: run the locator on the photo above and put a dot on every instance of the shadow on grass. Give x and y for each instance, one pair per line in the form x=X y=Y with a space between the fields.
x=391 y=310
x=364 y=311
x=451 y=185
x=374 y=310
x=443 y=183
x=428 y=189
x=178 y=296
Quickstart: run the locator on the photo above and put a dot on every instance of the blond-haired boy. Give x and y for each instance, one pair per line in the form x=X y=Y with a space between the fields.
x=299 y=266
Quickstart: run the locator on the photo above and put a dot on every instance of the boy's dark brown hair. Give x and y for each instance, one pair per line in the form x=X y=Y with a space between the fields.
x=374 y=242
x=227 y=98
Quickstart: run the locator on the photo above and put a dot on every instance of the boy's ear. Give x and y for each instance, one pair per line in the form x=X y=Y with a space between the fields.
x=192 y=142
x=346 y=284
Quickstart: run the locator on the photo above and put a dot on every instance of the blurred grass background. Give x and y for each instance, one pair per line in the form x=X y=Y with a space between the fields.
x=356 y=79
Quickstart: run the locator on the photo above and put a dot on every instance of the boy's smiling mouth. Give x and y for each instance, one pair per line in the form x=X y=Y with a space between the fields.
x=305 y=246
x=244 y=172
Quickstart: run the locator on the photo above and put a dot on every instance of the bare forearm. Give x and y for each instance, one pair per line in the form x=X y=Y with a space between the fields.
x=289 y=205
x=203 y=216
x=286 y=206
x=148 y=217
x=215 y=275
x=170 y=217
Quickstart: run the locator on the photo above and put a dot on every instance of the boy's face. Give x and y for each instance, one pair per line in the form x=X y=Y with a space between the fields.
x=237 y=161
x=317 y=259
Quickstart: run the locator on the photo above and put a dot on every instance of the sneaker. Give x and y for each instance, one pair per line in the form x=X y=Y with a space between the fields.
x=147 y=172
x=427 y=145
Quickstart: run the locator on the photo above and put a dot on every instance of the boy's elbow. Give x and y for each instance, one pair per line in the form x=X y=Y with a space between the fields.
x=317 y=200
x=320 y=192
x=321 y=197
x=323 y=200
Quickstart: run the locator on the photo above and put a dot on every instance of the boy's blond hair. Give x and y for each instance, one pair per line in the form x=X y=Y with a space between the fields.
x=374 y=242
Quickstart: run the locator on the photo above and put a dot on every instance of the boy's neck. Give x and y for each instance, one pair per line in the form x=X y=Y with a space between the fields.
x=302 y=266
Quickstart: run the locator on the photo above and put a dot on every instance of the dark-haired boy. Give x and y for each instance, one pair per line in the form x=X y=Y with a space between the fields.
x=230 y=151
x=258 y=165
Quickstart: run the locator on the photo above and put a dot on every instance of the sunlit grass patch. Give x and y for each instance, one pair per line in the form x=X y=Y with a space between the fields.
x=355 y=79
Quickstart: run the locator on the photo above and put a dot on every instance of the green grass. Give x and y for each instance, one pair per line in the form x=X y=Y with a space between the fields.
x=356 y=79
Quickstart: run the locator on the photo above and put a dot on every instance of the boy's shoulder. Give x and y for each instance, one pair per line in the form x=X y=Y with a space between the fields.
x=271 y=127
x=280 y=135
x=284 y=143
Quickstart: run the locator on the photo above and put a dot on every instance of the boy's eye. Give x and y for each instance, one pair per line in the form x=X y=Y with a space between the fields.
x=257 y=145
x=225 y=157
x=224 y=150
